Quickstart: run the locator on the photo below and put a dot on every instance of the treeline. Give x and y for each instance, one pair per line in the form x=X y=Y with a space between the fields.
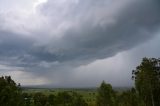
x=145 y=93
x=61 y=99
x=11 y=95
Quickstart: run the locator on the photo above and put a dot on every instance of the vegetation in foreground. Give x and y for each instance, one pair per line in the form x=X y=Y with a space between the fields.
x=145 y=93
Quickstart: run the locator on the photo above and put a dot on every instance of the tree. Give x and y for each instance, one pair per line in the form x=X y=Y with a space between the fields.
x=52 y=100
x=28 y=99
x=64 y=98
x=78 y=100
x=106 y=95
x=10 y=93
x=70 y=99
x=40 y=99
x=129 y=98
x=147 y=81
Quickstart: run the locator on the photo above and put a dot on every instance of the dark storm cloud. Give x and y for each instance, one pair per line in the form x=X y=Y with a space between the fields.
x=13 y=43
x=13 y=48
x=77 y=32
x=98 y=32
x=131 y=26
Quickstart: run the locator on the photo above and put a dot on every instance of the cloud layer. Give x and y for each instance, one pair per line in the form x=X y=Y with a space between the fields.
x=61 y=35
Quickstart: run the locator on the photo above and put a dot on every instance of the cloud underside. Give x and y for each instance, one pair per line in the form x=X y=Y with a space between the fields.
x=70 y=33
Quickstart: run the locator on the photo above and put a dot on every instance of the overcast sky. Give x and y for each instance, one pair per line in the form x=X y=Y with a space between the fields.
x=77 y=43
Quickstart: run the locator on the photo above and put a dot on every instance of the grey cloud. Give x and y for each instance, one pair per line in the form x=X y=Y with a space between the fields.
x=134 y=24
x=88 y=30
x=94 y=35
x=13 y=47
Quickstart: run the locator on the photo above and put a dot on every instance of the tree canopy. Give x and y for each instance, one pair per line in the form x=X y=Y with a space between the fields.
x=147 y=81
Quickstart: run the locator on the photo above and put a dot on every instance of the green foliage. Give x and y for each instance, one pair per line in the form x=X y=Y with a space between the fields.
x=61 y=99
x=106 y=95
x=10 y=93
x=64 y=98
x=128 y=98
x=78 y=100
x=40 y=99
x=52 y=100
x=70 y=99
x=147 y=81
x=26 y=98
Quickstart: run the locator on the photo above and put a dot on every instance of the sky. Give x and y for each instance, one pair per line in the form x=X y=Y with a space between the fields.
x=77 y=43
